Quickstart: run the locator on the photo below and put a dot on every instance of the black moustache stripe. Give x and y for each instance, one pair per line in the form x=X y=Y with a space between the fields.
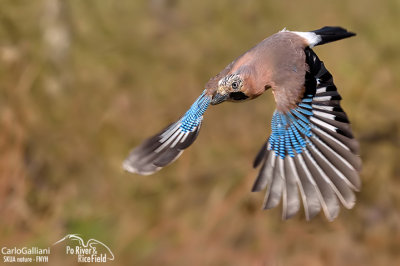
x=238 y=96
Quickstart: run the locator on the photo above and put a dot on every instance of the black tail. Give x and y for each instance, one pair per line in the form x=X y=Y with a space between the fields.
x=331 y=34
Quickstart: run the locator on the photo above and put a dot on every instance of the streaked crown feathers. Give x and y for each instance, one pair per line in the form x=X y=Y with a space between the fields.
x=234 y=81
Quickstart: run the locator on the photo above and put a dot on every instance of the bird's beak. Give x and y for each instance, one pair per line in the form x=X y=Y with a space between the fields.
x=219 y=97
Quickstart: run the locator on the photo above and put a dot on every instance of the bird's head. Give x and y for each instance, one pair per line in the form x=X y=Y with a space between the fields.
x=230 y=88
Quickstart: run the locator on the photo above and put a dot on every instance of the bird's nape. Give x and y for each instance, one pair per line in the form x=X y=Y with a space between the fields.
x=311 y=157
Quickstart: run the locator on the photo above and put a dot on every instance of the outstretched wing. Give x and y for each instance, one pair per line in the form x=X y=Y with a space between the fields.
x=166 y=146
x=311 y=153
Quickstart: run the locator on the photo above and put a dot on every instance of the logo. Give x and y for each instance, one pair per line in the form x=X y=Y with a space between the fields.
x=91 y=251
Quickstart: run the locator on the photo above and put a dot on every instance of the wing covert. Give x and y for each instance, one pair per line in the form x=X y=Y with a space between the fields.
x=167 y=145
x=311 y=153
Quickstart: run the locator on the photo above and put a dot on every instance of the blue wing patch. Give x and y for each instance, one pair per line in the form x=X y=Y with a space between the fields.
x=166 y=146
x=193 y=117
x=289 y=129
x=311 y=152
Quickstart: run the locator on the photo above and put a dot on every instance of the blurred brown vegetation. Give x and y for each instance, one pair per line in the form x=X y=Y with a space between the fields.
x=82 y=82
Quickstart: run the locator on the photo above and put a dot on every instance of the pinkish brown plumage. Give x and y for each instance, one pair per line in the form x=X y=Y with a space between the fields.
x=277 y=62
x=311 y=154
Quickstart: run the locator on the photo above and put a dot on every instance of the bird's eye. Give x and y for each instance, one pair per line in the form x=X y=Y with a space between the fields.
x=235 y=85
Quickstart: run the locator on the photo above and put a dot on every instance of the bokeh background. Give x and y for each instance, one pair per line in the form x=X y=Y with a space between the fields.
x=82 y=82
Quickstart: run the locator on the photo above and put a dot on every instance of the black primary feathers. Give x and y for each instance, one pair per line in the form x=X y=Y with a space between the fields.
x=326 y=167
x=166 y=146
x=310 y=159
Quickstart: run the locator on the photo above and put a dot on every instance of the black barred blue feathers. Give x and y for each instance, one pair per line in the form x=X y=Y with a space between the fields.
x=310 y=158
x=166 y=146
x=287 y=129
x=311 y=153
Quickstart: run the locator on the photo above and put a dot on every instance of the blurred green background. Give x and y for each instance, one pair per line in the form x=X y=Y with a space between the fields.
x=83 y=82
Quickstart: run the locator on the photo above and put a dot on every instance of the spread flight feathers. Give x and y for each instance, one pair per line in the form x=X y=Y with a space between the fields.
x=311 y=156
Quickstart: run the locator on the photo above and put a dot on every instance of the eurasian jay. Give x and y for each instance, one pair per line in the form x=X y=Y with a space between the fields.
x=311 y=153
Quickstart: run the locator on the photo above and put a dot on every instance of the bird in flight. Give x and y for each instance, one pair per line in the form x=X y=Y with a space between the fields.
x=310 y=156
